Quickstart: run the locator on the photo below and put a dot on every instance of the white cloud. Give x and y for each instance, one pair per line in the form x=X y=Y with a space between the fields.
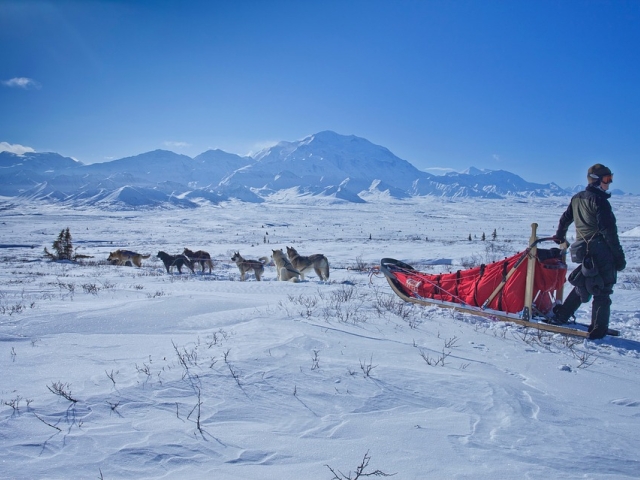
x=21 y=82
x=17 y=149
x=177 y=144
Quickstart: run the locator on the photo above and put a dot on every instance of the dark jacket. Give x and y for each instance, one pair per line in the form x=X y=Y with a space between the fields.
x=596 y=232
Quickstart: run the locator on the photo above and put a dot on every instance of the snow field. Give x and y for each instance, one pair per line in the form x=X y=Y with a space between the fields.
x=205 y=376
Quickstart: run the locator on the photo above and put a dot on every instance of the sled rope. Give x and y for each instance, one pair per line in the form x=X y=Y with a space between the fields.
x=374 y=272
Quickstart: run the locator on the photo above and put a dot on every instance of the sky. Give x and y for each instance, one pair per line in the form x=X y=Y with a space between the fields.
x=543 y=89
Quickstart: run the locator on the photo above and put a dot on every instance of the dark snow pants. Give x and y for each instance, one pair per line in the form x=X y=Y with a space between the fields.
x=602 y=257
x=600 y=310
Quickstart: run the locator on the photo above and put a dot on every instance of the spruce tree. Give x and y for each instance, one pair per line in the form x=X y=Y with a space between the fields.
x=62 y=246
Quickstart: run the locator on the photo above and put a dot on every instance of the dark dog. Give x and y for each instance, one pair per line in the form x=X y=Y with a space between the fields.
x=175 y=260
x=201 y=257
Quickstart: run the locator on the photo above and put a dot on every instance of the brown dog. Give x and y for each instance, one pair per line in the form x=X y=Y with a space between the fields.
x=121 y=257
x=201 y=257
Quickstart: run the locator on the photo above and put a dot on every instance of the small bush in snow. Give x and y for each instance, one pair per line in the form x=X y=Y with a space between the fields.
x=62 y=390
x=360 y=471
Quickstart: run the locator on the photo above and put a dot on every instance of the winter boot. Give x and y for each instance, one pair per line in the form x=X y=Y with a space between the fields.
x=600 y=311
x=562 y=313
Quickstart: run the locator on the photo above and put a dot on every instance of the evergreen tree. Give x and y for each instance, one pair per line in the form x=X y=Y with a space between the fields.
x=494 y=235
x=67 y=249
x=483 y=237
x=62 y=247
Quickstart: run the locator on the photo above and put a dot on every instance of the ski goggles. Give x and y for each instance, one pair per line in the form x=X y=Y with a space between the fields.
x=607 y=179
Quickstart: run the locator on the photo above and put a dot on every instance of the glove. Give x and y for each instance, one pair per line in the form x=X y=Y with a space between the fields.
x=621 y=264
x=558 y=239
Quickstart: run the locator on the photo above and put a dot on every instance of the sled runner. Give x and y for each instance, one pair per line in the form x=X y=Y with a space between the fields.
x=522 y=289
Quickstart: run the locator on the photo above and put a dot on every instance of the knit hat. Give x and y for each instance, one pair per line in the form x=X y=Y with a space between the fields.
x=596 y=173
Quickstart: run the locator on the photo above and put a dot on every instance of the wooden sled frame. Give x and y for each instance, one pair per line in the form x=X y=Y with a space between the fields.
x=525 y=318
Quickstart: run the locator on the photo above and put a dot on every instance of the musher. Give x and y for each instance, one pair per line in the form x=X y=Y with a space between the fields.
x=597 y=248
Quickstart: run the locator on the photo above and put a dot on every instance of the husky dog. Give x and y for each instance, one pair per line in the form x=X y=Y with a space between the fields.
x=245 y=265
x=177 y=260
x=317 y=262
x=201 y=257
x=121 y=257
x=286 y=271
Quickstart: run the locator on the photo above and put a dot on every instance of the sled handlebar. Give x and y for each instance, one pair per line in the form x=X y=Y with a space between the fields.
x=547 y=239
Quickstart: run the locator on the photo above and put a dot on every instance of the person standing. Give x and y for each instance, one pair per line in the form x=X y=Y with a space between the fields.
x=596 y=245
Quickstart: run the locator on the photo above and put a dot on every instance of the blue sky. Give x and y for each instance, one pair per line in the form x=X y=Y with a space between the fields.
x=540 y=88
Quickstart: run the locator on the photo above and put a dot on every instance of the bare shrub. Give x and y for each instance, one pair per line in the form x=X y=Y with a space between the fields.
x=307 y=301
x=14 y=403
x=360 y=471
x=495 y=251
x=367 y=367
x=315 y=360
x=470 y=262
x=66 y=288
x=158 y=293
x=584 y=357
x=62 y=390
x=234 y=372
x=360 y=265
x=216 y=338
x=91 y=288
x=344 y=294
x=629 y=280
x=440 y=359
x=13 y=308
x=347 y=313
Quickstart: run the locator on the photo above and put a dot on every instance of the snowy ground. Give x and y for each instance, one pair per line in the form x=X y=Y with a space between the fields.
x=204 y=376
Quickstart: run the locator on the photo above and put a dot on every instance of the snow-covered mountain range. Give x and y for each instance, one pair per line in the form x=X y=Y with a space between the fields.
x=327 y=165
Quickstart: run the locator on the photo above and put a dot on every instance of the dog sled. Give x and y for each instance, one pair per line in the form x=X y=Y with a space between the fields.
x=521 y=289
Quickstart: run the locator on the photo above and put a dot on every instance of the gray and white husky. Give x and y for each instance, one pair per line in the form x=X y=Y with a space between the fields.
x=284 y=269
x=317 y=262
x=245 y=265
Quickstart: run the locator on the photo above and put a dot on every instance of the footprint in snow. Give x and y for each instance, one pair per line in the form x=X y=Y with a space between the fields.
x=479 y=346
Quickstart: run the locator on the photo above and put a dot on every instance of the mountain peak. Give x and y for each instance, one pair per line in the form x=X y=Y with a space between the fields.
x=475 y=171
x=325 y=164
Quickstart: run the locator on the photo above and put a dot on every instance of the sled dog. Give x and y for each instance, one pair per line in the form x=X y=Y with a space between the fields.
x=317 y=262
x=121 y=257
x=245 y=265
x=286 y=271
x=175 y=260
x=201 y=257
